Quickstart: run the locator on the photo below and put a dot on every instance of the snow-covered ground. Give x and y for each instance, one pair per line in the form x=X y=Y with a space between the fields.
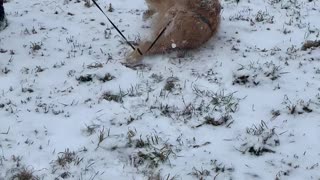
x=244 y=106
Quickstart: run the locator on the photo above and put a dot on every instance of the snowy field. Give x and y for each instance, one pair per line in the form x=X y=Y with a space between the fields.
x=246 y=105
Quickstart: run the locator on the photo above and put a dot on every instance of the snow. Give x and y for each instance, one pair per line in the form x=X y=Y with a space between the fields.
x=70 y=110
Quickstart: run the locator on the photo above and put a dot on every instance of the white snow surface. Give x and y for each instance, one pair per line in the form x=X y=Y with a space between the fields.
x=243 y=106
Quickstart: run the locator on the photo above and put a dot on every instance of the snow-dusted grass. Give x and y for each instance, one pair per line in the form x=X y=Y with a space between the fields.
x=244 y=106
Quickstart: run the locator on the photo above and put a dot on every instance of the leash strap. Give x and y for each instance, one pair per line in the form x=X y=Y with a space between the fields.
x=139 y=51
x=116 y=28
x=160 y=34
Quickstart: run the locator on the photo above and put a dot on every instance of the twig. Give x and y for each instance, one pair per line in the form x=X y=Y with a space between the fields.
x=215 y=177
x=7 y=131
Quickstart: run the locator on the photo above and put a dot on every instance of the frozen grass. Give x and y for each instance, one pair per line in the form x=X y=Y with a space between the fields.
x=244 y=106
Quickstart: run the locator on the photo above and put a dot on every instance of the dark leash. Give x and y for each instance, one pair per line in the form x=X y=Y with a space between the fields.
x=130 y=44
x=160 y=34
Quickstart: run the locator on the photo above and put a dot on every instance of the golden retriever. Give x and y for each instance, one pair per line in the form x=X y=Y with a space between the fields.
x=188 y=23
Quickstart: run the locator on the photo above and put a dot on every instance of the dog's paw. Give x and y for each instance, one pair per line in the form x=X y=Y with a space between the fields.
x=148 y=14
x=134 y=57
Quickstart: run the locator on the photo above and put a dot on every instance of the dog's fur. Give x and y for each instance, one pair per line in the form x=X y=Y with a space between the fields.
x=192 y=23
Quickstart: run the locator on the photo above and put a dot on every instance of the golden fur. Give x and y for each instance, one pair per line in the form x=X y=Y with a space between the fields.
x=193 y=22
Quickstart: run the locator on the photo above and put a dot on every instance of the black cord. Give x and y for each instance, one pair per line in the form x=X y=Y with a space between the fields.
x=154 y=42
x=117 y=28
x=139 y=51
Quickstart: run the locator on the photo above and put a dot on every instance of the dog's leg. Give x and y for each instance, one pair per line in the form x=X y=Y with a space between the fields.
x=148 y=14
x=153 y=8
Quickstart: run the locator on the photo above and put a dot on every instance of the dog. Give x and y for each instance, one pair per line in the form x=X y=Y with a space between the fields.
x=189 y=24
